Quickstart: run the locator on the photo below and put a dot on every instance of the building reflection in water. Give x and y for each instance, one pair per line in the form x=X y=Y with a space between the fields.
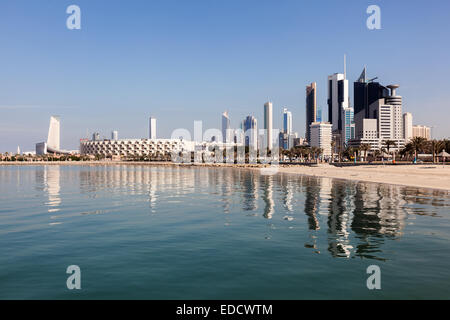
x=48 y=181
x=250 y=186
x=344 y=218
x=267 y=196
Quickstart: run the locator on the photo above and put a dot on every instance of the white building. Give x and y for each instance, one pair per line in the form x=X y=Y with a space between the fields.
x=407 y=126
x=135 y=147
x=321 y=137
x=152 y=128
x=52 y=145
x=54 y=131
x=268 y=124
x=396 y=103
x=421 y=131
x=287 y=121
x=226 y=130
x=114 y=135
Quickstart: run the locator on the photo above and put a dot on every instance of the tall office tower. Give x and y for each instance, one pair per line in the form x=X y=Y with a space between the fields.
x=114 y=135
x=268 y=124
x=287 y=121
x=364 y=94
x=152 y=128
x=226 y=132
x=311 y=107
x=321 y=137
x=348 y=132
x=250 y=127
x=338 y=99
x=319 y=115
x=53 y=140
x=395 y=102
x=407 y=126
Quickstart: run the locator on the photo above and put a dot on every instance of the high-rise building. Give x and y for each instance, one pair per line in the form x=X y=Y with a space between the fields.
x=250 y=127
x=319 y=115
x=287 y=121
x=348 y=132
x=338 y=100
x=364 y=94
x=152 y=128
x=395 y=102
x=321 y=137
x=311 y=107
x=421 y=131
x=53 y=140
x=407 y=126
x=226 y=132
x=114 y=135
x=268 y=124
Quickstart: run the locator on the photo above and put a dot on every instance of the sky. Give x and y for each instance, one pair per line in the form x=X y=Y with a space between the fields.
x=182 y=61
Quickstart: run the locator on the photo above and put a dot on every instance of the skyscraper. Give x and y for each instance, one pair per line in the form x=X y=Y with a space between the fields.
x=396 y=103
x=152 y=128
x=287 y=121
x=349 y=125
x=338 y=100
x=319 y=115
x=268 y=124
x=114 y=135
x=311 y=108
x=53 y=140
x=364 y=94
x=251 y=132
x=226 y=133
x=407 y=126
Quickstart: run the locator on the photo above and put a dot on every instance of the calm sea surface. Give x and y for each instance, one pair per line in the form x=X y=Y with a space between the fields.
x=203 y=233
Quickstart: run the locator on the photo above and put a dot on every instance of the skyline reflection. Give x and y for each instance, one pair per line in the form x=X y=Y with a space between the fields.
x=343 y=218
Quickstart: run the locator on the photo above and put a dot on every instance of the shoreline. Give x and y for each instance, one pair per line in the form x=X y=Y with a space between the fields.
x=429 y=176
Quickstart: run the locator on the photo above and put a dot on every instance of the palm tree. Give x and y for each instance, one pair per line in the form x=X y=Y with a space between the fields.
x=389 y=144
x=364 y=147
x=417 y=143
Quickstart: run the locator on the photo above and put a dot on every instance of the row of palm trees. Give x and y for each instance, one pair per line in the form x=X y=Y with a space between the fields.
x=415 y=146
x=303 y=153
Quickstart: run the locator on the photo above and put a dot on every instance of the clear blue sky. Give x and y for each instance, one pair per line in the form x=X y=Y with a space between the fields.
x=190 y=60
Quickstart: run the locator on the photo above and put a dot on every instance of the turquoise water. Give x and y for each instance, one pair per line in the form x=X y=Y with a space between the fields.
x=146 y=232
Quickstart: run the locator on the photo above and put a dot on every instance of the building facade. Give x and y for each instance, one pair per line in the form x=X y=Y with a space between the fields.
x=407 y=126
x=287 y=121
x=268 y=124
x=421 y=131
x=226 y=133
x=152 y=128
x=251 y=132
x=311 y=107
x=135 y=147
x=321 y=137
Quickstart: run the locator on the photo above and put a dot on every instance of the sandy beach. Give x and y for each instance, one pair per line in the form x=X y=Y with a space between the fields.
x=422 y=176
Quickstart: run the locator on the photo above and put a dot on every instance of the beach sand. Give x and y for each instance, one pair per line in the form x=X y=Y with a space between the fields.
x=421 y=176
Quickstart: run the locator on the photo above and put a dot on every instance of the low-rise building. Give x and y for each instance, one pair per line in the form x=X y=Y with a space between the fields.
x=135 y=147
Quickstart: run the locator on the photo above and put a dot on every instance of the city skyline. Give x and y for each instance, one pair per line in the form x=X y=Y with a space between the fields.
x=62 y=78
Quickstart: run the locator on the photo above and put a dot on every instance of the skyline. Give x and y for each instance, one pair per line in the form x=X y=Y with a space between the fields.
x=189 y=60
